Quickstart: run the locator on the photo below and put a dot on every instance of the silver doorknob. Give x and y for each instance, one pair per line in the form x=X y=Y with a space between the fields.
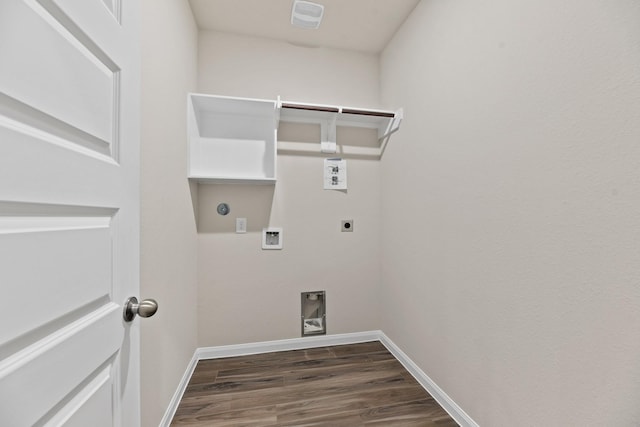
x=144 y=308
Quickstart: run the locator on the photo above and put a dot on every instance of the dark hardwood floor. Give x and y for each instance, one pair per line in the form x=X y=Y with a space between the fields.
x=348 y=385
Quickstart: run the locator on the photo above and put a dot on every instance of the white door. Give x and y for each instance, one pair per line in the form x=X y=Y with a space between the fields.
x=68 y=212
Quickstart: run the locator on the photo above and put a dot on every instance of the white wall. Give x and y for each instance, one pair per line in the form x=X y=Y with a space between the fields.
x=168 y=241
x=247 y=294
x=516 y=285
x=261 y=68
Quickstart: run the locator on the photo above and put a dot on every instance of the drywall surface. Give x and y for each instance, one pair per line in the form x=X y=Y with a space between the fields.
x=247 y=294
x=261 y=68
x=517 y=286
x=168 y=241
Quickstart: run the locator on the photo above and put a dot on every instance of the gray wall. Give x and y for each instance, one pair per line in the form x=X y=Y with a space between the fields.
x=496 y=242
x=168 y=239
x=247 y=294
x=515 y=285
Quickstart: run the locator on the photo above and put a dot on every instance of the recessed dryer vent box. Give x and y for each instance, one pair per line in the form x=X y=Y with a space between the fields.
x=314 y=316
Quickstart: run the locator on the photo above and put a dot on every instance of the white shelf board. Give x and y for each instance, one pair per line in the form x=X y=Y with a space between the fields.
x=233 y=105
x=232 y=139
x=232 y=180
x=385 y=121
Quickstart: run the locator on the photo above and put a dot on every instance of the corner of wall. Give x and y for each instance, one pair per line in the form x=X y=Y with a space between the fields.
x=168 y=230
x=518 y=164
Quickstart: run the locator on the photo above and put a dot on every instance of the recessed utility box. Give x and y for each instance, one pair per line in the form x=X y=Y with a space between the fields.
x=314 y=315
x=272 y=238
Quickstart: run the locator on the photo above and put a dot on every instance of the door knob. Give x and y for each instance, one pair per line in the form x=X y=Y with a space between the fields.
x=144 y=308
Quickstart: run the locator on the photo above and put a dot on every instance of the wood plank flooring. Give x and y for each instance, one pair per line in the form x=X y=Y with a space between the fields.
x=347 y=385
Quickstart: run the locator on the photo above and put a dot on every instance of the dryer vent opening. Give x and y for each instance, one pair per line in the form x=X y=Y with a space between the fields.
x=313 y=313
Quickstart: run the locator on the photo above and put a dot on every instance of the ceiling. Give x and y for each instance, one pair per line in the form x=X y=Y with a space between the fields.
x=360 y=25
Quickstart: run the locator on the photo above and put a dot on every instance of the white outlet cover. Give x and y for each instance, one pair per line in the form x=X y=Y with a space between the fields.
x=241 y=225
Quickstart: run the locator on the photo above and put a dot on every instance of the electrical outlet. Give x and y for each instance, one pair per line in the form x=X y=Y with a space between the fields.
x=241 y=225
x=347 y=225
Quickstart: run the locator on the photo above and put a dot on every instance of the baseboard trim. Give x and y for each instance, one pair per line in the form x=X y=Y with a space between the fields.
x=286 y=345
x=177 y=396
x=427 y=383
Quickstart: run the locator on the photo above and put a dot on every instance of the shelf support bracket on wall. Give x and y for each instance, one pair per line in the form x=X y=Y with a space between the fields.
x=328 y=143
x=394 y=125
x=329 y=117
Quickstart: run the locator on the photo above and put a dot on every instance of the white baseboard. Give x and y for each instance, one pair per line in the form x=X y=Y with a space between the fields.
x=312 y=342
x=427 y=383
x=286 y=345
x=177 y=396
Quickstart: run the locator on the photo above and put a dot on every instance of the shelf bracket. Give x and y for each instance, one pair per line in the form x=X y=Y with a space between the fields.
x=328 y=142
x=392 y=126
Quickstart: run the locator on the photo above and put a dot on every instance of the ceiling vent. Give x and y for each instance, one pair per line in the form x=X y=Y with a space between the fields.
x=306 y=14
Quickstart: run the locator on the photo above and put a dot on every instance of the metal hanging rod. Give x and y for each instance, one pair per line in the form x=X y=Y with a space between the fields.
x=328 y=109
x=311 y=107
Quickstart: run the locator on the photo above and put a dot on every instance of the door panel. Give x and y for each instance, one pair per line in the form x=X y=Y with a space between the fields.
x=92 y=399
x=44 y=173
x=73 y=255
x=69 y=257
x=52 y=72
x=36 y=380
